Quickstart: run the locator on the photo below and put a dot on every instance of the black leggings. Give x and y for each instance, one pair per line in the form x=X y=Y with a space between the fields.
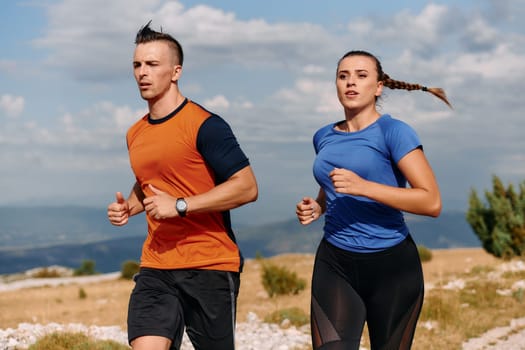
x=385 y=289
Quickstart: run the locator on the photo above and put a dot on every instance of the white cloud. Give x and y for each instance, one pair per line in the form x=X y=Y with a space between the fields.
x=217 y=102
x=426 y=47
x=314 y=69
x=208 y=28
x=13 y=106
x=291 y=114
x=501 y=63
x=425 y=27
x=91 y=139
x=421 y=32
x=480 y=34
x=93 y=40
x=246 y=105
x=97 y=45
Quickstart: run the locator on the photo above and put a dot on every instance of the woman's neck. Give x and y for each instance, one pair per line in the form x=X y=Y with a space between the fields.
x=358 y=120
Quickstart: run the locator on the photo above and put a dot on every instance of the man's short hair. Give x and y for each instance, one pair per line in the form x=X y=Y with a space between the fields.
x=146 y=35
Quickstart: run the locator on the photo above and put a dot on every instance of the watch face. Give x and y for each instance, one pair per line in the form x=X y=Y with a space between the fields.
x=181 y=205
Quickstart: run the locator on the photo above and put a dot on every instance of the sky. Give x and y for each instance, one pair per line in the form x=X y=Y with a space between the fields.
x=67 y=93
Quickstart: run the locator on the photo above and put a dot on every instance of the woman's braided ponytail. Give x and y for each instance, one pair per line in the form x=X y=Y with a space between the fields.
x=396 y=84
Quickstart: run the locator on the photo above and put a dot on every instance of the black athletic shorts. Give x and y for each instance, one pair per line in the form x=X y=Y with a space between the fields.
x=165 y=302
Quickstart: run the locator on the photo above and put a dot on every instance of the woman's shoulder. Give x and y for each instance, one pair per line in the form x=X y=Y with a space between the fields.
x=326 y=127
x=324 y=130
x=387 y=122
x=387 y=119
x=396 y=132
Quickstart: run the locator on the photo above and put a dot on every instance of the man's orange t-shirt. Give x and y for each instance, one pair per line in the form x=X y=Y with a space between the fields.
x=165 y=153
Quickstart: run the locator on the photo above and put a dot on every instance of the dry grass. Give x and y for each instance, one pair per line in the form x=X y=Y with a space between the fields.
x=456 y=315
x=77 y=341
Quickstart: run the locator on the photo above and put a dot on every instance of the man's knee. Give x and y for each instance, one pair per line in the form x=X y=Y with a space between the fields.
x=149 y=342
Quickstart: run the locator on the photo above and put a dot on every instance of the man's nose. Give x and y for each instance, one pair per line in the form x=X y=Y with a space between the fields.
x=142 y=71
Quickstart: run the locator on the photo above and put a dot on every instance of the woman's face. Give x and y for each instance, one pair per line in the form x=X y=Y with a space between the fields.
x=356 y=82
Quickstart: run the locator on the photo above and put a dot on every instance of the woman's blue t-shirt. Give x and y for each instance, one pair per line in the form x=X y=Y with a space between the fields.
x=357 y=223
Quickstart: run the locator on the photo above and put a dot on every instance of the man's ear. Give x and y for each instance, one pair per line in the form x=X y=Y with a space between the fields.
x=177 y=71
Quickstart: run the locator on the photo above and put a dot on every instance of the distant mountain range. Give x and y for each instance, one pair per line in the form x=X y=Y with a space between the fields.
x=44 y=236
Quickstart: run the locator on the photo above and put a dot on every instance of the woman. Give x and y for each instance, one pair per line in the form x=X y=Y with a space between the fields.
x=367 y=266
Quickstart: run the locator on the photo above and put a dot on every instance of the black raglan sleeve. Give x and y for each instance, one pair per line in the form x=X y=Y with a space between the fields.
x=220 y=149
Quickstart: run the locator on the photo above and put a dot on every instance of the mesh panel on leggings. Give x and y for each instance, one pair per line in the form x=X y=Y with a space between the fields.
x=402 y=337
x=322 y=328
x=334 y=334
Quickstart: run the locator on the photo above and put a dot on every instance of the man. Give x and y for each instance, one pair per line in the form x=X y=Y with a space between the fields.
x=190 y=171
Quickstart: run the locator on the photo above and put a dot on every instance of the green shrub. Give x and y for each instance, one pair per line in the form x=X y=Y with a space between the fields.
x=82 y=293
x=499 y=222
x=295 y=315
x=129 y=269
x=86 y=269
x=74 y=341
x=259 y=256
x=518 y=295
x=280 y=281
x=425 y=254
x=47 y=273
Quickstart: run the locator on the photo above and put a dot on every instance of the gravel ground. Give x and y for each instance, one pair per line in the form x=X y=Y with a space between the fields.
x=511 y=337
x=251 y=335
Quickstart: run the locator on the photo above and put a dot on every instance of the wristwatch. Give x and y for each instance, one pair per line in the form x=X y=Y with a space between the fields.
x=181 y=206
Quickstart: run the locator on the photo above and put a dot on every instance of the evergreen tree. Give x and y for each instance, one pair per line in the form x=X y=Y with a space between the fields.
x=500 y=222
